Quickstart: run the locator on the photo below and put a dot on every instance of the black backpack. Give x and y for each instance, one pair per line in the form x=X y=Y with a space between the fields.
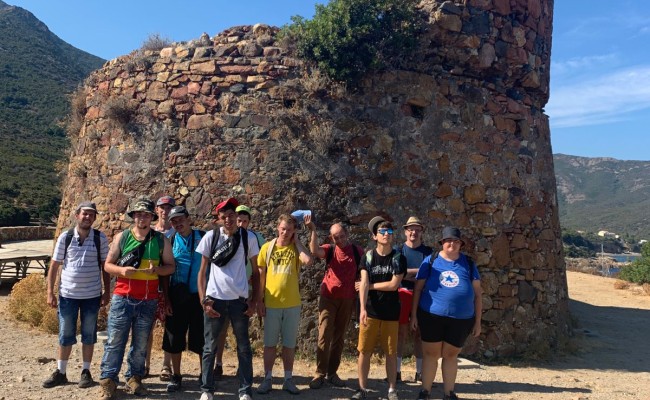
x=96 y=239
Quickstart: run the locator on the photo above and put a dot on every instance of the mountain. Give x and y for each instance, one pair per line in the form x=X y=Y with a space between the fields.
x=37 y=73
x=604 y=194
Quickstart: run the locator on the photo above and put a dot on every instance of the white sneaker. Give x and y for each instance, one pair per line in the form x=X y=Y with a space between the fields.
x=206 y=396
x=245 y=396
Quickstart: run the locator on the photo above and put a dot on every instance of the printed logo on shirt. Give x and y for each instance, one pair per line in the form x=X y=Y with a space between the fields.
x=449 y=279
x=283 y=261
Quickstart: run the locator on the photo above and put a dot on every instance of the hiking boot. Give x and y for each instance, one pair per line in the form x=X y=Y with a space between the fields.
x=175 y=383
x=218 y=372
x=334 y=380
x=450 y=396
x=107 y=386
x=418 y=377
x=134 y=386
x=317 y=382
x=265 y=386
x=423 y=395
x=56 y=379
x=290 y=387
x=360 y=394
x=393 y=395
x=86 y=379
x=206 y=396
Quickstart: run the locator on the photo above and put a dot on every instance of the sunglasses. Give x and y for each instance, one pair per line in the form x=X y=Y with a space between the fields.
x=385 y=231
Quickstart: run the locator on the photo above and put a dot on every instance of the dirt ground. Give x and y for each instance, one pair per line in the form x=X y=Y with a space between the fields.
x=612 y=361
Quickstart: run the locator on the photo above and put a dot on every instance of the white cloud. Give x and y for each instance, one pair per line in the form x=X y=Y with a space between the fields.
x=605 y=99
x=577 y=64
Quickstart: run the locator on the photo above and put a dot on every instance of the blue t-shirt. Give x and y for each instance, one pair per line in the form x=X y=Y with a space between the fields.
x=414 y=258
x=182 y=254
x=448 y=290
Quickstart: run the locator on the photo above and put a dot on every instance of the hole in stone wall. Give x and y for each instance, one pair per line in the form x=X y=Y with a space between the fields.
x=417 y=111
x=289 y=103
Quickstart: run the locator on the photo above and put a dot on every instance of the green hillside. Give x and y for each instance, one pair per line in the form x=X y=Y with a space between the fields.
x=604 y=194
x=37 y=72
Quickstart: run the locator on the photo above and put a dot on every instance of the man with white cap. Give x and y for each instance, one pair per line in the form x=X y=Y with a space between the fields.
x=82 y=251
x=414 y=251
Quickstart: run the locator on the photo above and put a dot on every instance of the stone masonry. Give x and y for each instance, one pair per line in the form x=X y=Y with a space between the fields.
x=458 y=136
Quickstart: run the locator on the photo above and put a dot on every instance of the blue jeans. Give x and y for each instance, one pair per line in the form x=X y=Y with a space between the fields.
x=233 y=310
x=127 y=315
x=69 y=310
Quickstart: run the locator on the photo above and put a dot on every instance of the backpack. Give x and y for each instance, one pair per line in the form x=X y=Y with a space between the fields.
x=330 y=254
x=370 y=257
x=243 y=237
x=269 y=250
x=96 y=239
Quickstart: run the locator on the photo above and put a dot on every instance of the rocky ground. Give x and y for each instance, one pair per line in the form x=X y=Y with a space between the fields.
x=611 y=361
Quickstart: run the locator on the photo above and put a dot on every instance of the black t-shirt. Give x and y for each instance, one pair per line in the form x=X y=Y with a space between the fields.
x=381 y=304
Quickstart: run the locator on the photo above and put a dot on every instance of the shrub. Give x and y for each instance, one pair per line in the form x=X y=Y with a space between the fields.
x=12 y=216
x=347 y=38
x=120 y=110
x=155 y=42
x=637 y=272
x=28 y=300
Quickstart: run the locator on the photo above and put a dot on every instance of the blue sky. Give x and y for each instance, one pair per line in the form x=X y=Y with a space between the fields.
x=600 y=64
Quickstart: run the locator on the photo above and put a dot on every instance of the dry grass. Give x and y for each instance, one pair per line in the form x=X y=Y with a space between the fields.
x=646 y=288
x=120 y=110
x=621 y=285
x=75 y=119
x=28 y=300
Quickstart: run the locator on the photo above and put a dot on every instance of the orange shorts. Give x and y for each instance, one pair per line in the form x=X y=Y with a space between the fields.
x=385 y=331
x=405 y=301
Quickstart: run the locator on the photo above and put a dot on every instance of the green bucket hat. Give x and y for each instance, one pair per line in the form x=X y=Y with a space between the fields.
x=145 y=205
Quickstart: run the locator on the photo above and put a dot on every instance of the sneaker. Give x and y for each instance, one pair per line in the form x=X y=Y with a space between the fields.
x=56 y=379
x=423 y=395
x=165 y=374
x=317 y=382
x=245 y=396
x=107 y=388
x=360 y=394
x=134 y=386
x=450 y=396
x=175 y=383
x=393 y=395
x=418 y=377
x=86 y=379
x=334 y=380
x=206 y=396
x=265 y=386
x=290 y=387
x=218 y=372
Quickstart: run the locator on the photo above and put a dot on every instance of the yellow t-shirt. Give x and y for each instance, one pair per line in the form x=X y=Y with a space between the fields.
x=281 y=290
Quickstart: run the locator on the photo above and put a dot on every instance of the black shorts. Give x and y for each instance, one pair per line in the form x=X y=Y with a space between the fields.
x=434 y=328
x=186 y=318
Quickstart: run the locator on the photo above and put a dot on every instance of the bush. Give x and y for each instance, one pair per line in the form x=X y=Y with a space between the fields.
x=347 y=38
x=155 y=42
x=13 y=216
x=28 y=300
x=637 y=272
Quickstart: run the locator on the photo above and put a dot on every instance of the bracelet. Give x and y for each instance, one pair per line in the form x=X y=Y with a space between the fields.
x=205 y=300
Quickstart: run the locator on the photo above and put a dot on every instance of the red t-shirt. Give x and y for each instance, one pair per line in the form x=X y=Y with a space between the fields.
x=341 y=273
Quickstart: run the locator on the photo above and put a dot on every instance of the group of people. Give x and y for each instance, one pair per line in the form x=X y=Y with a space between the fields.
x=199 y=282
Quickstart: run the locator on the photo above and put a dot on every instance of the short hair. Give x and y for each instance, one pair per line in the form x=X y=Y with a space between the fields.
x=228 y=206
x=289 y=219
x=384 y=224
x=246 y=213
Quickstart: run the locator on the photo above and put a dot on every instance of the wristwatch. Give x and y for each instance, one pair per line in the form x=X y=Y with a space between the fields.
x=205 y=300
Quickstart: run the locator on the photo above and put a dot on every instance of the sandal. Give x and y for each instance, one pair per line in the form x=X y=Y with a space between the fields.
x=166 y=374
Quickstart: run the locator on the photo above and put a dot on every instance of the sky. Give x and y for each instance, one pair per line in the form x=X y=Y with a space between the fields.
x=600 y=62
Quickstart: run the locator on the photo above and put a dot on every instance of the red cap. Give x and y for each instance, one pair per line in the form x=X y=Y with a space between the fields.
x=224 y=203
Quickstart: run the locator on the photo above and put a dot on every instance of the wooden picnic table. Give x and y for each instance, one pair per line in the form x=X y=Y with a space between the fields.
x=20 y=260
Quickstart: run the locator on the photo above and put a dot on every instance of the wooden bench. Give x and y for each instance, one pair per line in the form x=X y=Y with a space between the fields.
x=20 y=260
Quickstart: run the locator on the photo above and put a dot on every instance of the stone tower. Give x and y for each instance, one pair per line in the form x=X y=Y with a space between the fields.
x=459 y=137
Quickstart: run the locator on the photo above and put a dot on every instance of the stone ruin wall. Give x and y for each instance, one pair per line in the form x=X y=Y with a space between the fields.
x=459 y=137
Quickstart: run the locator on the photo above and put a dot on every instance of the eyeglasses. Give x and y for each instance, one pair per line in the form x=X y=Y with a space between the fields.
x=416 y=230
x=385 y=231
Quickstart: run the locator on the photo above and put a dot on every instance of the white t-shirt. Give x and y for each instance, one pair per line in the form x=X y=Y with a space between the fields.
x=229 y=282
x=81 y=277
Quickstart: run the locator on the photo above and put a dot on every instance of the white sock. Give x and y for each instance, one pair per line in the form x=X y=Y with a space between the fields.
x=85 y=365
x=288 y=375
x=269 y=375
x=62 y=365
x=391 y=390
x=418 y=365
x=399 y=364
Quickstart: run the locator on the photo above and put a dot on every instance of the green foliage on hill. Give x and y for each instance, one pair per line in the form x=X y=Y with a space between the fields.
x=37 y=73
x=583 y=245
x=347 y=38
x=639 y=270
x=604 y=194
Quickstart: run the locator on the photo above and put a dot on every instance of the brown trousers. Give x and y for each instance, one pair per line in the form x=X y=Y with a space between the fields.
x=333 y=319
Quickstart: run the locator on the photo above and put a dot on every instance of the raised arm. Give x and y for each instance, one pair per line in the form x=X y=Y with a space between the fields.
x=315 y=249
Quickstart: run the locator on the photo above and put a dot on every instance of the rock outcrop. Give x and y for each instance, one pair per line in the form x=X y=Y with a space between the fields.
x=456 y=137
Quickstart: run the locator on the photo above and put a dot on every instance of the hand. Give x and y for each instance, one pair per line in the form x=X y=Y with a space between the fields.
x=51 y=300
x=252 y=307
x=209 y=311
x=168 y=307
x=476 y=331
x=128 y=271
x=357 y=285
x=261 y=309
x=414 y=322
x=363 y=318
x=106 y=298
x=309 y=223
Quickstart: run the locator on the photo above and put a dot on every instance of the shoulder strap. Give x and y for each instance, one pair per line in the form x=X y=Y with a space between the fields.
x=357 y=256
x=215 y=240
x=269 y=251
x=244 y=237
x=201 y=233
x=370 y=257
x=161 y=245
x=330 y=254
x=98 y=245
x=68 y=241
x=125 y=236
